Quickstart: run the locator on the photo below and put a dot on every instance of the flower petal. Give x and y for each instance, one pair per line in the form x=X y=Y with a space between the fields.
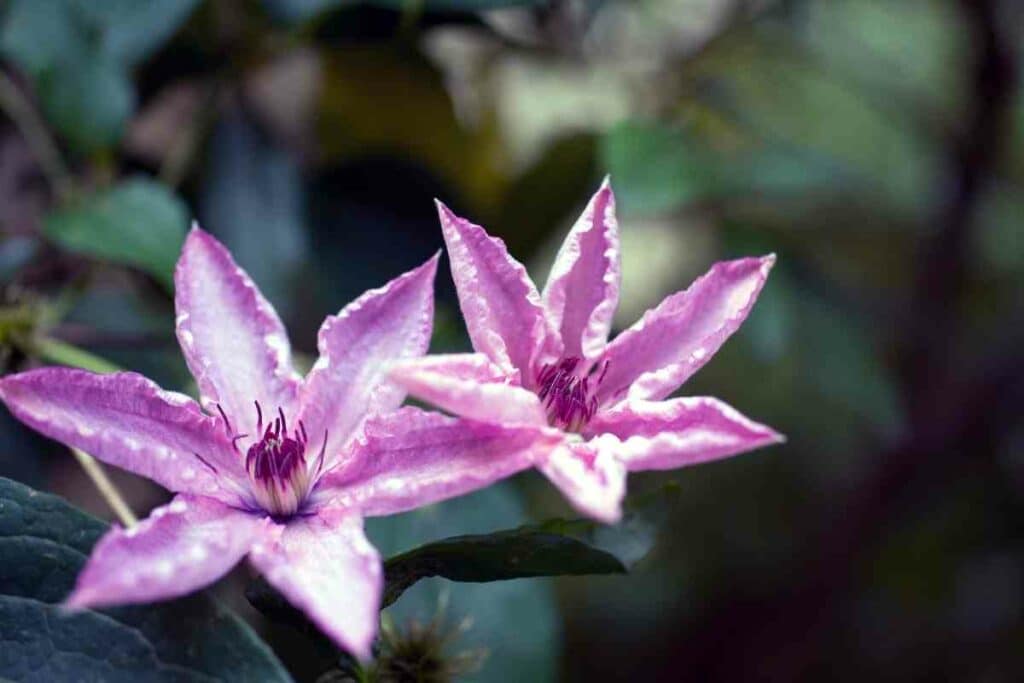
x=413 y=458
x=349 y=381
x=233 y=341
x=181 y=547
x=671 y=342
x=500 y=303
x=126 y=420
x=325 y=566
x=590 y=475
x=664 y=435
x=470 y=385
x=583 y=288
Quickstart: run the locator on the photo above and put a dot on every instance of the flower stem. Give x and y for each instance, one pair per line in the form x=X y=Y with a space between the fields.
x=61 y=352
x=106 y=487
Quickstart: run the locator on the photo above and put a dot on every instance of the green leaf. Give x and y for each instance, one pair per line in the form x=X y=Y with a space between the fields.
x=516 y=622
x=133 y=29
x=44 y=543
x=556 y=547
x=79 y=52
x=88 y=97
x=774 y=90
x=654 y=167
x=658 y=168
x=38 y=35
x=138 y=222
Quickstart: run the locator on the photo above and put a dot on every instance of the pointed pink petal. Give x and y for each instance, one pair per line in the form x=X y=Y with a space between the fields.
x=590 y=475
x=413 y=458
x=664 y=435
x=349 y=381
x=325 y=566
x=671 y=342
x=232 y=339
x=500 y=303
x=126 y=420
x=470 y=385
x=583 y=287
x=181 y=547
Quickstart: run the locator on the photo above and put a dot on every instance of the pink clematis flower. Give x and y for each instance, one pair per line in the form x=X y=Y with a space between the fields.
x=277 y=468
x=545 y=360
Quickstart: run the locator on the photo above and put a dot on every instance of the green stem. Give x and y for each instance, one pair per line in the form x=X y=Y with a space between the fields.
x=63 y=353
x=106 y=487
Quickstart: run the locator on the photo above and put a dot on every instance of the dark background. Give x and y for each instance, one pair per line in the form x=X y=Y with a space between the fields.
x=877 y=146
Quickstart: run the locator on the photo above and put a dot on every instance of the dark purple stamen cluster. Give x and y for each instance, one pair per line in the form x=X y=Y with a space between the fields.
x=276 y=463
x=567 y=396
x=276 y=455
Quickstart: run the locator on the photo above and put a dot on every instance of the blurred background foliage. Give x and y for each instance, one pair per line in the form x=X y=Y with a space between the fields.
x=876 y=145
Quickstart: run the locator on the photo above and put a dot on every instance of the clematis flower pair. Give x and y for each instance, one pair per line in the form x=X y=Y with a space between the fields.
x=272 y=466
x=284 y=469
x=544 y=360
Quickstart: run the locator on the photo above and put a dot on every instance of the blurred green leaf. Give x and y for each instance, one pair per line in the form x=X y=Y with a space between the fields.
x=133 y=29
x=553 y=548
x=779 y=93
x=88 y=99
x=911 y=51
x=38 y=35
x=658 y=168
x=79 y=53
x=44 y=543
x=655 y=168
x=138 y=222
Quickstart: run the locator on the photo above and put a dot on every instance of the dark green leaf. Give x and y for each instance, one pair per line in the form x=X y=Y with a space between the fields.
x=44 y=543
x=138 y=222
x=517 y=622
x=553 y=548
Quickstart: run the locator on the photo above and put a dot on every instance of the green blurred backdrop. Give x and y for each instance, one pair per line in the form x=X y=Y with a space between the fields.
x=877 y=146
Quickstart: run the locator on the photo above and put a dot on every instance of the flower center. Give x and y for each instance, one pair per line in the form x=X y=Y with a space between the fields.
x=567 y=396
x=276 y=463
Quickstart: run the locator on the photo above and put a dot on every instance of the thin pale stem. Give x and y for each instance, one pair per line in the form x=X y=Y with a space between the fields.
x=66 y=354
x=57 y=351
x=33 y=129
x=106 y=487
